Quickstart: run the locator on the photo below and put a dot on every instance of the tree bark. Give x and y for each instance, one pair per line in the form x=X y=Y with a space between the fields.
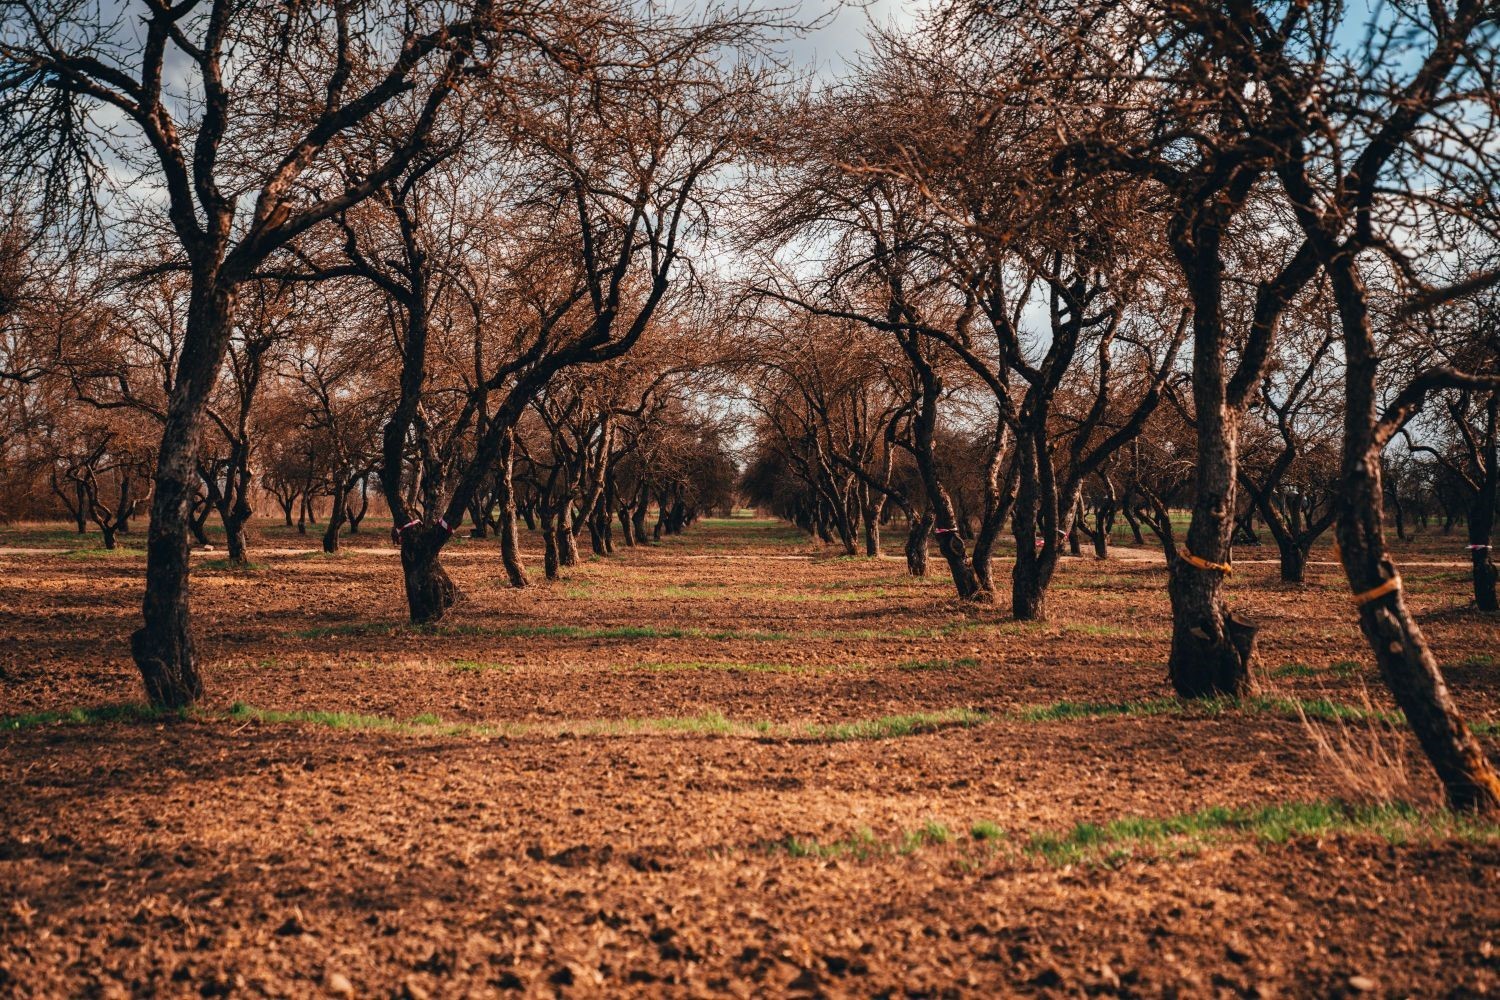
x=430 y=591
x=510 y=547
x=916 y=545
x=567 y=541
x=163 y=645
x=1036 y=530
x=234 y=537
x=1293 y=560
x=1213 y=652
x=551 y=558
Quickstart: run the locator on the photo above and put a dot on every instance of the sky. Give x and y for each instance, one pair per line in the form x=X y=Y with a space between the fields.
x=839 y=39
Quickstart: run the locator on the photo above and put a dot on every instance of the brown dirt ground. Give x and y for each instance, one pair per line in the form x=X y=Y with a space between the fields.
x=557 y=849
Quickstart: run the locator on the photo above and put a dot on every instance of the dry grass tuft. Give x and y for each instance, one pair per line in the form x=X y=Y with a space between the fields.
x=1366 y=755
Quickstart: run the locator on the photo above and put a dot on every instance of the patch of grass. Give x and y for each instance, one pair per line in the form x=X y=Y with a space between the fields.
x=38 y=535
x=892 y=726
x=1294 y=670
x=984 y=830
x=91 y=715
x=1476 y=660
x=707 y=723
x=963 y=661
x=1321 y=709
x=926 y=835
x=345 y=720
x=1345 y=668
x=118 y=552
x=1059 y=711
x=1395 y=822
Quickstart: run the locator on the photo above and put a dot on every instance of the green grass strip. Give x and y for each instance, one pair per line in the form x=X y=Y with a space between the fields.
x=1319 y=709
x=895 y=726
x=1129 y=836
x=92 y=715
x=1393 y=822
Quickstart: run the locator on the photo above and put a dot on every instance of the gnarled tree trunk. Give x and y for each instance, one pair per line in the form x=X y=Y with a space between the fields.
x=430 y=591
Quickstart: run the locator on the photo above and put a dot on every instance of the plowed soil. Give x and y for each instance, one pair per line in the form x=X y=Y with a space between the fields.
x=731 y=764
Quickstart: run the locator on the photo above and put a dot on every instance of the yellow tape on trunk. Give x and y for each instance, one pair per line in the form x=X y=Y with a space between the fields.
x=1203 y=563
x=1394 y=583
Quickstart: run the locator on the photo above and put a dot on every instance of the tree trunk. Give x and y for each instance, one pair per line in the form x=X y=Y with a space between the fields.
x=1028 y=595
x=234 y=537
x=607 y=529
x=567 y=542
x=638 y=520
x=80 y=513
x=599 y=531
x=916 y=545
x=353 y=516
x=163 y=645
x=940 y=503
x=1213 y=651
x=510 y=547
x=198 y=513
x=430 y=591
x=1406 y=661
x=1293 y=560
x=551 y=558
x=1104 y=522
x=824 y=534
x=1484 y=576
x=1036 y=528
x=335 y=519
x=1482 y=512
x=478 y=520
